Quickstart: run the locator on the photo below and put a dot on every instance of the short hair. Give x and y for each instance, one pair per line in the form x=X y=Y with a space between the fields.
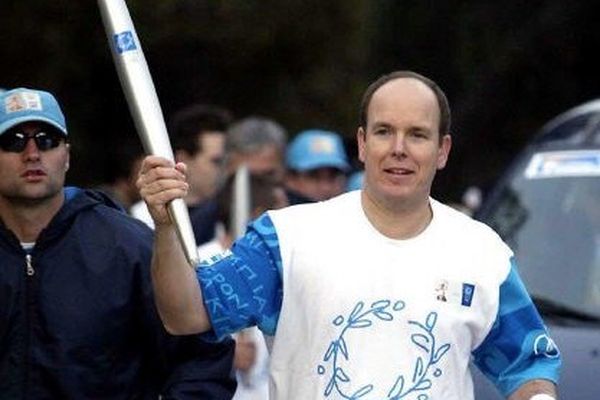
x=124 y=157
x=190 y=122
x=253 y=133
x=442 y=100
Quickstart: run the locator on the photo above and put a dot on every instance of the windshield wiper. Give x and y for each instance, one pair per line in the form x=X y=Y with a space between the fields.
x=553 y=308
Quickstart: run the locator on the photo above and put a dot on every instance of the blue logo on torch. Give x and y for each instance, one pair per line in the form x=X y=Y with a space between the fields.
x=124 y=42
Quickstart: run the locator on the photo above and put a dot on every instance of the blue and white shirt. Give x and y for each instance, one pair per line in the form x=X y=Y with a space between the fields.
x=357 y=315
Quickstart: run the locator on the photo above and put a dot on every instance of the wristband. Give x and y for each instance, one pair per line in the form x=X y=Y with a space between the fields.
x=542 y=397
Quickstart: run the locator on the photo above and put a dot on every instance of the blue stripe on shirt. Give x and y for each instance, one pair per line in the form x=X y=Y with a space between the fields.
x=517 y=348
x=244 y=288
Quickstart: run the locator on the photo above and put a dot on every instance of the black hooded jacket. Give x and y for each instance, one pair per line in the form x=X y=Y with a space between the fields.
x=78 y=320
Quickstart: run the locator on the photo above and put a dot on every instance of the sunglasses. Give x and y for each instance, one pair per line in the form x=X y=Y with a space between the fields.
x=14 y=141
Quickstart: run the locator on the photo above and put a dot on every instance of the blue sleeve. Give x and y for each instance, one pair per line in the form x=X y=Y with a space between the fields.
x=518 y=347
x=243 y=287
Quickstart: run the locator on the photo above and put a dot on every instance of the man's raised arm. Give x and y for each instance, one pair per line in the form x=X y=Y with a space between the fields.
x=177 y=292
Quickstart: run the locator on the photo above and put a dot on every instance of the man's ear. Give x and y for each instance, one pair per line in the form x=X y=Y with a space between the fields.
x=67 y=165
x=444 y=151
x=360 y=140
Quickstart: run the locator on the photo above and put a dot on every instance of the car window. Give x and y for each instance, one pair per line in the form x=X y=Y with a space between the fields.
x=549 y=213
x=575 y=131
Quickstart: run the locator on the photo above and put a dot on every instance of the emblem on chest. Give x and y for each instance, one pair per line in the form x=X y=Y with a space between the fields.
x=397 y=379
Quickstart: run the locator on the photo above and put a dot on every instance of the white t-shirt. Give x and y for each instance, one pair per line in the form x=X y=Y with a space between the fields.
x=140 y=211
x=358 y=315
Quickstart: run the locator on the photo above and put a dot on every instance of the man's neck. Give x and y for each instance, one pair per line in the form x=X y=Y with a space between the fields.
x=26 y=221
x=403 y=221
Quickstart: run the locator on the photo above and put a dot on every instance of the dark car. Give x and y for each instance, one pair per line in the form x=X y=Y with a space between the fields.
x=547 y=208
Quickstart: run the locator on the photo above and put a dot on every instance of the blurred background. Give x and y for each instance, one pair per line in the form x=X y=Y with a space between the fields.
x=507 y=67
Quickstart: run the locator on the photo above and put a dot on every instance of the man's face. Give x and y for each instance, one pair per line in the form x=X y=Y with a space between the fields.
x=318 y=184
x=267 y=161
x=33 y=176
x=401 y=147
x=204 y=167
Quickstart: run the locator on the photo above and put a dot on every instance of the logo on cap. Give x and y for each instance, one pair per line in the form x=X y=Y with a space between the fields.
x=22 y=101
x=322 y=145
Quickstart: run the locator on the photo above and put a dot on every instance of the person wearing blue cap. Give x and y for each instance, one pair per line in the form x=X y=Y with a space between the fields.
x=316 y=166
x=378 y=293
x=78 y=319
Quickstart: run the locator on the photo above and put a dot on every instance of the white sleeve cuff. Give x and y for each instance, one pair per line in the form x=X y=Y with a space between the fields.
x=542 y=397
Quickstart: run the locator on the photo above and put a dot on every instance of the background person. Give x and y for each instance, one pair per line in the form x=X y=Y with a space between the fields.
x=265 y=194
x=316 y=166
x=78 y=319
x=251 y=355
x=197 y=133
x=348 y=286
x=259 y=144
x=123 y=175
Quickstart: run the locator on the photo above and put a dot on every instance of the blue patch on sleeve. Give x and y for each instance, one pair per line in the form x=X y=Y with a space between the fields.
x=245 y=287
x=518 y=347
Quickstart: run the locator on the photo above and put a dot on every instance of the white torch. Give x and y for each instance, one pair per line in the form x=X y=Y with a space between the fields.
x=143 y=103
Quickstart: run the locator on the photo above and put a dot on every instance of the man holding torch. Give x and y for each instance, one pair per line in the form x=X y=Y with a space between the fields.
x=349 y=288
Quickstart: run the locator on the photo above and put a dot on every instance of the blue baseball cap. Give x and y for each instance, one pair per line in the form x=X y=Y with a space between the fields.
x=24 y=105
x=313 y=149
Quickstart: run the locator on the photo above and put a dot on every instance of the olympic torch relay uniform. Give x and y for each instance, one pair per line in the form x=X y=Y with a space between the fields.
x=357 y=315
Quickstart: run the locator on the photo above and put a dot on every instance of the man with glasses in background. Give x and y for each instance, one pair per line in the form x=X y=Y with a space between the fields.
x=78 y=318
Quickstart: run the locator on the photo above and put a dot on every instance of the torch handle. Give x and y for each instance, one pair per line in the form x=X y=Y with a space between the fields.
x=140 y=93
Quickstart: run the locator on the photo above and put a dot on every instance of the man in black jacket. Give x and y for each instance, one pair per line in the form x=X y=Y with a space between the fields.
x=77 y=315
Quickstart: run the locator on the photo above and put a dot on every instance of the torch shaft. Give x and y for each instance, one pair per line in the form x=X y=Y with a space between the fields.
x=141 y=97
